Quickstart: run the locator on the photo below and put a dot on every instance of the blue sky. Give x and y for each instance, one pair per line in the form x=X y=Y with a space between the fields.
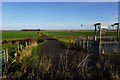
x=60 y=0
x=57 y=15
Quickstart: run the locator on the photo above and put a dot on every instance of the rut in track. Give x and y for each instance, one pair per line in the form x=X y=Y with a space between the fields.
x=54 y=48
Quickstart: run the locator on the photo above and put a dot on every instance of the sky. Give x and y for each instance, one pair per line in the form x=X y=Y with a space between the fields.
x=57 y=15
x=60 y=0
x=119 y=12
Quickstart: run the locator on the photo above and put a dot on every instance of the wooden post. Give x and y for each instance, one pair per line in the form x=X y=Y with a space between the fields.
x=7 y=55
x=18 y=48
x=21 y=47
x=103 y=52
x=26 y=44
x=29 y=42
x=87 y=43
x=15 y=54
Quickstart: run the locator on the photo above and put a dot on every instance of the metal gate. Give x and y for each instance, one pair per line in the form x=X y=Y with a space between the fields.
x=2 y=61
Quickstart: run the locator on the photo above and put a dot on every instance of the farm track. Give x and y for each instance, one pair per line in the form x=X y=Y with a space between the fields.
x=54 y=48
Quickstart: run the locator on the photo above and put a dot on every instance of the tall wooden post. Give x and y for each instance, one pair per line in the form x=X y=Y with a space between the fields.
x=7 y=55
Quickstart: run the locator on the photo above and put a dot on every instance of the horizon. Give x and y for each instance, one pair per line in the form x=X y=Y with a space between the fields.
x=57 y=15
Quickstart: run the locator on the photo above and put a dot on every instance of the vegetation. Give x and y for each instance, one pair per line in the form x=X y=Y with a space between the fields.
x=11 y=49
x=71 y=36
x=77 y=64
x=23 y=65
x=8 y=35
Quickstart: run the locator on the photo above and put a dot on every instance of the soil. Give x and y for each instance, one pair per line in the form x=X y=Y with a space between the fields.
x=56 y=49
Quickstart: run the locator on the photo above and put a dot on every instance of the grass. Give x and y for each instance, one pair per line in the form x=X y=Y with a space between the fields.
x=24 y=66
x=10 y=35
x=11 y=49
x=71 y=36
x=55 y=33
x=84 y=33
x=41 y=66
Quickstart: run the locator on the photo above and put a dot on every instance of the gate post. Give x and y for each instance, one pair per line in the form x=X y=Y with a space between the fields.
x=98 y=24
x=100 y=39
x=95 y=33
x=117 y=31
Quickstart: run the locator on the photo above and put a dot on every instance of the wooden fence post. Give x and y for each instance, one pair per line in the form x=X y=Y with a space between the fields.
x=29 y=42
x=26 y=44
x=18 y=48
x=102 y=51
x=7 y=55
x=15 y=53
x=21 y=47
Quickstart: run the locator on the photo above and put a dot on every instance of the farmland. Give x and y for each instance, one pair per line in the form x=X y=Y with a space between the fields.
x=84 y=33
x=13 y=35
x=52 y=60
x=71 y=36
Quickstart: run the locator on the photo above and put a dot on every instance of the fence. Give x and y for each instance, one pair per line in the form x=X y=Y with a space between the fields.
x=2 y=61
x=109 y=47
x=95 y=46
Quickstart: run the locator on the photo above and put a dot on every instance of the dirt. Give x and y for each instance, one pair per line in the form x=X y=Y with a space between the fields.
x=56 y=49
x=52 y=46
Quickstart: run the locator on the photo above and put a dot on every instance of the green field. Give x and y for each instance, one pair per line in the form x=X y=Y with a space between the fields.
x=71 y=36
x=55 y=33
x=8 y=35
x=84 y=33
x=61 y=35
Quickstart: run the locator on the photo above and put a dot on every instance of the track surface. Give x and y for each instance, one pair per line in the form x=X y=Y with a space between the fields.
x=52 y=47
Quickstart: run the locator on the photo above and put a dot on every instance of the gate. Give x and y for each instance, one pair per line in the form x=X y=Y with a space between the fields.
x=2 y=61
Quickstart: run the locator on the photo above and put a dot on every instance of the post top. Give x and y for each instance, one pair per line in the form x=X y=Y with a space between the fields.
x=116 y=24
x=97 y=24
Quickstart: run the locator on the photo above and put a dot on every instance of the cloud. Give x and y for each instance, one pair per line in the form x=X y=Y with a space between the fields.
x=60 y=0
